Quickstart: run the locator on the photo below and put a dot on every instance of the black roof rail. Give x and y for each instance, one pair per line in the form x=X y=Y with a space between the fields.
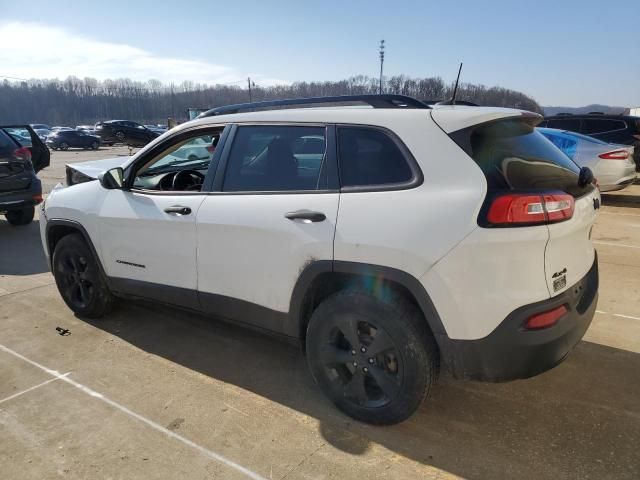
x=376 y=101
x=563 y=114
x=595 y=113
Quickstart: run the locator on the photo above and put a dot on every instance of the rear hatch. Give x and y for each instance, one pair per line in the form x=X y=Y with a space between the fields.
x=530 y=183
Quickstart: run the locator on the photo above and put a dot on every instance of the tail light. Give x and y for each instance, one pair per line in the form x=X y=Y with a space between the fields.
x=530 y=209
x=23 y=153
x=615 y=155
x=545 y=319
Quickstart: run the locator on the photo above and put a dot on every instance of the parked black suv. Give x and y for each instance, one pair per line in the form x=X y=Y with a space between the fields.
x=125 y=131
x=20 y=188
x=65 y=139
x=621 y=129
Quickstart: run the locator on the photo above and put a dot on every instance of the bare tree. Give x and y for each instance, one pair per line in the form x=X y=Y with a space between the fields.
x=76 y=101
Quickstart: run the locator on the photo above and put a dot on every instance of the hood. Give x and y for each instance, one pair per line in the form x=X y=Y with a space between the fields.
x=96 y=167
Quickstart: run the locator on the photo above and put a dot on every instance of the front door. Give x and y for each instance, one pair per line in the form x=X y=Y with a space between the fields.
x=148 y=230
x=274 y=214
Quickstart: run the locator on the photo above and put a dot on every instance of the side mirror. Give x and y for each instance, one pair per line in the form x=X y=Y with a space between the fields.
x=112 y=179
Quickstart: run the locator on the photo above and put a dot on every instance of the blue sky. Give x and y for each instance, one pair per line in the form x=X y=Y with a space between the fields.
x=568 y=53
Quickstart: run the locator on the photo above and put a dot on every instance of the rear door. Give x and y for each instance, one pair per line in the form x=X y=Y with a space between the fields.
x=26 y=137
x=273 y=211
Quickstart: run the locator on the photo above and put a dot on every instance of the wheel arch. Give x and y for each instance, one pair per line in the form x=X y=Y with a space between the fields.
x=320 y=279
x=58 y=229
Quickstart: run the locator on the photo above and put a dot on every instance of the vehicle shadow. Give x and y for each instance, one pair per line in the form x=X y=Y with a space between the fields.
x=21 y=249
x=620 y=200
x=582 y=419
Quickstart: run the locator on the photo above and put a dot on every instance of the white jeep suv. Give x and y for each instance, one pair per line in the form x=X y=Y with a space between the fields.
x=390 y=240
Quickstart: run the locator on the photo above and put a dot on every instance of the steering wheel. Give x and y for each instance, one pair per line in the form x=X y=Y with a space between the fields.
x=187 y=180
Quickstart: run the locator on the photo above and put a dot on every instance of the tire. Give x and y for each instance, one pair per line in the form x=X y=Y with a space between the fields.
x=383 y=374
x=95 y=146
x=120 y=136
x=79 y=279
x=63 y=146
x=23 y=216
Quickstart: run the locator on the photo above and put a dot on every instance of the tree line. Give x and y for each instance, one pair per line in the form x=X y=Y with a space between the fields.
x=76 y=101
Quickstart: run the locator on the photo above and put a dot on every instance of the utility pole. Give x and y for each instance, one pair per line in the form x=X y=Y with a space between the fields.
x=381 y=63
x=249 y=84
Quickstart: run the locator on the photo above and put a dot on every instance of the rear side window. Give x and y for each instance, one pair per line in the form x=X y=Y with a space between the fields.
x=591 y=126
x=514 y=156
x=370 y=157
x=276 y=158
x=571 y=124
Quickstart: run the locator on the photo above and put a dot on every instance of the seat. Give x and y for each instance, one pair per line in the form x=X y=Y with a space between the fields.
x=281 y=167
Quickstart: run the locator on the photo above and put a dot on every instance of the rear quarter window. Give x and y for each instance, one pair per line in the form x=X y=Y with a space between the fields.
x=601 y=125
x=369 y=157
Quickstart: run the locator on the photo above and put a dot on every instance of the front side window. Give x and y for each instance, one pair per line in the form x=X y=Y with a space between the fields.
x=181 y=167
x=369 y=157
x=276 y=158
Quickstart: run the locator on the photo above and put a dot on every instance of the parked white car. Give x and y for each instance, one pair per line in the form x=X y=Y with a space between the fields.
x=390 y=241
x=613 y=165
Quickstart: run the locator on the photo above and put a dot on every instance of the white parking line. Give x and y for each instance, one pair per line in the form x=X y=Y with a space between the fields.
x=11 y=397
x=618 y=315
x=151 y=423
x=616 y=244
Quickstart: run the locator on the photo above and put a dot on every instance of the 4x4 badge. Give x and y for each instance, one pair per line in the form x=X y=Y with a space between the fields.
x=561 y=272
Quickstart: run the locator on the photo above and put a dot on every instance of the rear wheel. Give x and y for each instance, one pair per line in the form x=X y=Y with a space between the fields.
x=23 y=216
x=120 y=136
x=374 y=358
x=63 y=146
x=78 y=278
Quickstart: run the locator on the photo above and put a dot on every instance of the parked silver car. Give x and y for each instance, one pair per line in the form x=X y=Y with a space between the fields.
x=611 y=164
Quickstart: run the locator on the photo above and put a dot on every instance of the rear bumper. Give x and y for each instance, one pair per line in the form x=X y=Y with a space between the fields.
x=624 y=183
x=21 y=198
x=511 y=352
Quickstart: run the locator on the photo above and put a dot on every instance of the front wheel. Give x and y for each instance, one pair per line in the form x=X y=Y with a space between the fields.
x=374 y=358
x=64 y=146
x=23 y=216
x=95 y=146
x=79 y=279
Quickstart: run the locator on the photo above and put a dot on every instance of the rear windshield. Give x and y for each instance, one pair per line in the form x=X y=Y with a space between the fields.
x=514 y=156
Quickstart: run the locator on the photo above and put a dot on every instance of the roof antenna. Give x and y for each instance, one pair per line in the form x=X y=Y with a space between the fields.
x=455 y=90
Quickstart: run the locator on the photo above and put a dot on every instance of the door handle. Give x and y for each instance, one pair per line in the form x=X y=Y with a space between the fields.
x=307 y=216
x=178 y=209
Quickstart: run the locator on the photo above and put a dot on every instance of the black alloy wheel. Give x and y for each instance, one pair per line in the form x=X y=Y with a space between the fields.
x=79 y=279
x=373 y=356
x=363 y=362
